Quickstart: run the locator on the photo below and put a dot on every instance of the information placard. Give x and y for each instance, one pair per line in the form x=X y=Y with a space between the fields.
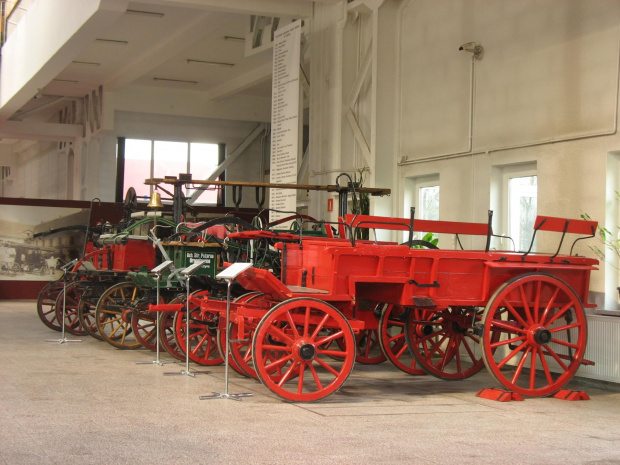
x=285 y=118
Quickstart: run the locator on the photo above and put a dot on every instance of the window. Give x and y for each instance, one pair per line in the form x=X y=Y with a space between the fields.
x=156 y=159
x=514 y=197
x=422 y=192
x=522 y=197
x=428 y=202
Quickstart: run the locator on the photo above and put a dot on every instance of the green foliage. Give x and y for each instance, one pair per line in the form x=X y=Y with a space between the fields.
x=430 y=238
x=608 y=241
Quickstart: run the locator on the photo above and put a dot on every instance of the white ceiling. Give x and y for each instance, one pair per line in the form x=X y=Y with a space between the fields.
x=141 y=50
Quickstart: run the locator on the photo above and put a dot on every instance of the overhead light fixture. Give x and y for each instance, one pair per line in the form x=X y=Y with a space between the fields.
x=150 y=14
x=68 y=81
x=86 y=63
x=113 y=41
x=203 y=62
x=235 y=39
x=183 y=81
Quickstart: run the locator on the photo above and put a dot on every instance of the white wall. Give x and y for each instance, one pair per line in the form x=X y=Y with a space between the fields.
x=545 y=92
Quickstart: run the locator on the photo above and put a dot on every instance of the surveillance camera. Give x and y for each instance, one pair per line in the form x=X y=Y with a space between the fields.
x=39 y=94
x=471 y=47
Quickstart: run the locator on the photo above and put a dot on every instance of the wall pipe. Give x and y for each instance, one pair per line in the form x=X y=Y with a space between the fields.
x=449 y=156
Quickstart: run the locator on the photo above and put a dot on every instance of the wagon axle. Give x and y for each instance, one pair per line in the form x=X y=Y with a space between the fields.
x=306 y=351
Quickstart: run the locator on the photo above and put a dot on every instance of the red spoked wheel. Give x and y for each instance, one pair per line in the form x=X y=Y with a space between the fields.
x=368 y=342
x=300 y=331
x=202 y=332
x=393 y=339
x=114 y=313
x=167 y=337
x=535 y=334
x=46 y=304
x=443 y=343
x=144 y=326
x=240 y=355
x=67 y=304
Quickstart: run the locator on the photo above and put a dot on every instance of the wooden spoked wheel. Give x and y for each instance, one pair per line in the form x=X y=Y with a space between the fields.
x=46 y=304
x=114 y=313
x=167 y=337
x=535 y=334
x=202 y=333
x=443 y=343
x=299 y=332
x=393 y=340
x=67 y=304
x=86 y=314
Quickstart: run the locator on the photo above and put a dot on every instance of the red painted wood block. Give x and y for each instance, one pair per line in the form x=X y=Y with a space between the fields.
x=498 y=395
x=567 y=394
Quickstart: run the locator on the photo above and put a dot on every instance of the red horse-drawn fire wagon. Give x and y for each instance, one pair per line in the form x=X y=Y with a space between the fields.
x=520 y=314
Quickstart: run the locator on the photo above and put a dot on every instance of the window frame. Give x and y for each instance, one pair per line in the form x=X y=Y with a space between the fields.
x=121 y=162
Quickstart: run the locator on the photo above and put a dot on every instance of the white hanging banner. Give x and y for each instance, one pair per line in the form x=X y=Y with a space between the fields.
x=285 y=118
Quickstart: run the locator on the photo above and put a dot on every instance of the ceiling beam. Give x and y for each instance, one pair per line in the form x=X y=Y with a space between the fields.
x=279 y=8
x=40 y=131
x=241 y=82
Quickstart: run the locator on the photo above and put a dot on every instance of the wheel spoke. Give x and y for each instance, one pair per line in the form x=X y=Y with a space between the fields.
x=543 y=362
x=300 y=381
x=397 y=338
x=549 y=305
x=292 y=325
x=278 y=333
x=276 y=364
x=565 y=344
x=538 y=294
x=550 y=351
x=329 y=368
x=327 y=339
x=565 y=327
x=526 y=308
x=315 y=375
x=511 y=355
x=457 y=354
x=533 y=368
x=515 y=314
x=494 y=345
x=468 y=349
x=319 y=327
x=519 y=368
x=332 y=353
x=557 y=315
x=307 y=322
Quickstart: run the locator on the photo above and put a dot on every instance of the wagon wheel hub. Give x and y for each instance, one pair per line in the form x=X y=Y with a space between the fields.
x=306 y=351
x=458 y=328
x=539 y=335
x=127 y=314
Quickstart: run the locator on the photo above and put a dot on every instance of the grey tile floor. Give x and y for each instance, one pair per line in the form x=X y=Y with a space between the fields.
x=89 y=403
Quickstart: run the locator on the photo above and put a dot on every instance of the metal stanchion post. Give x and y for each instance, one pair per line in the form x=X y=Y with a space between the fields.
x=188 y=272
x=158 y=270
x=229 y=274
x=64 y=269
